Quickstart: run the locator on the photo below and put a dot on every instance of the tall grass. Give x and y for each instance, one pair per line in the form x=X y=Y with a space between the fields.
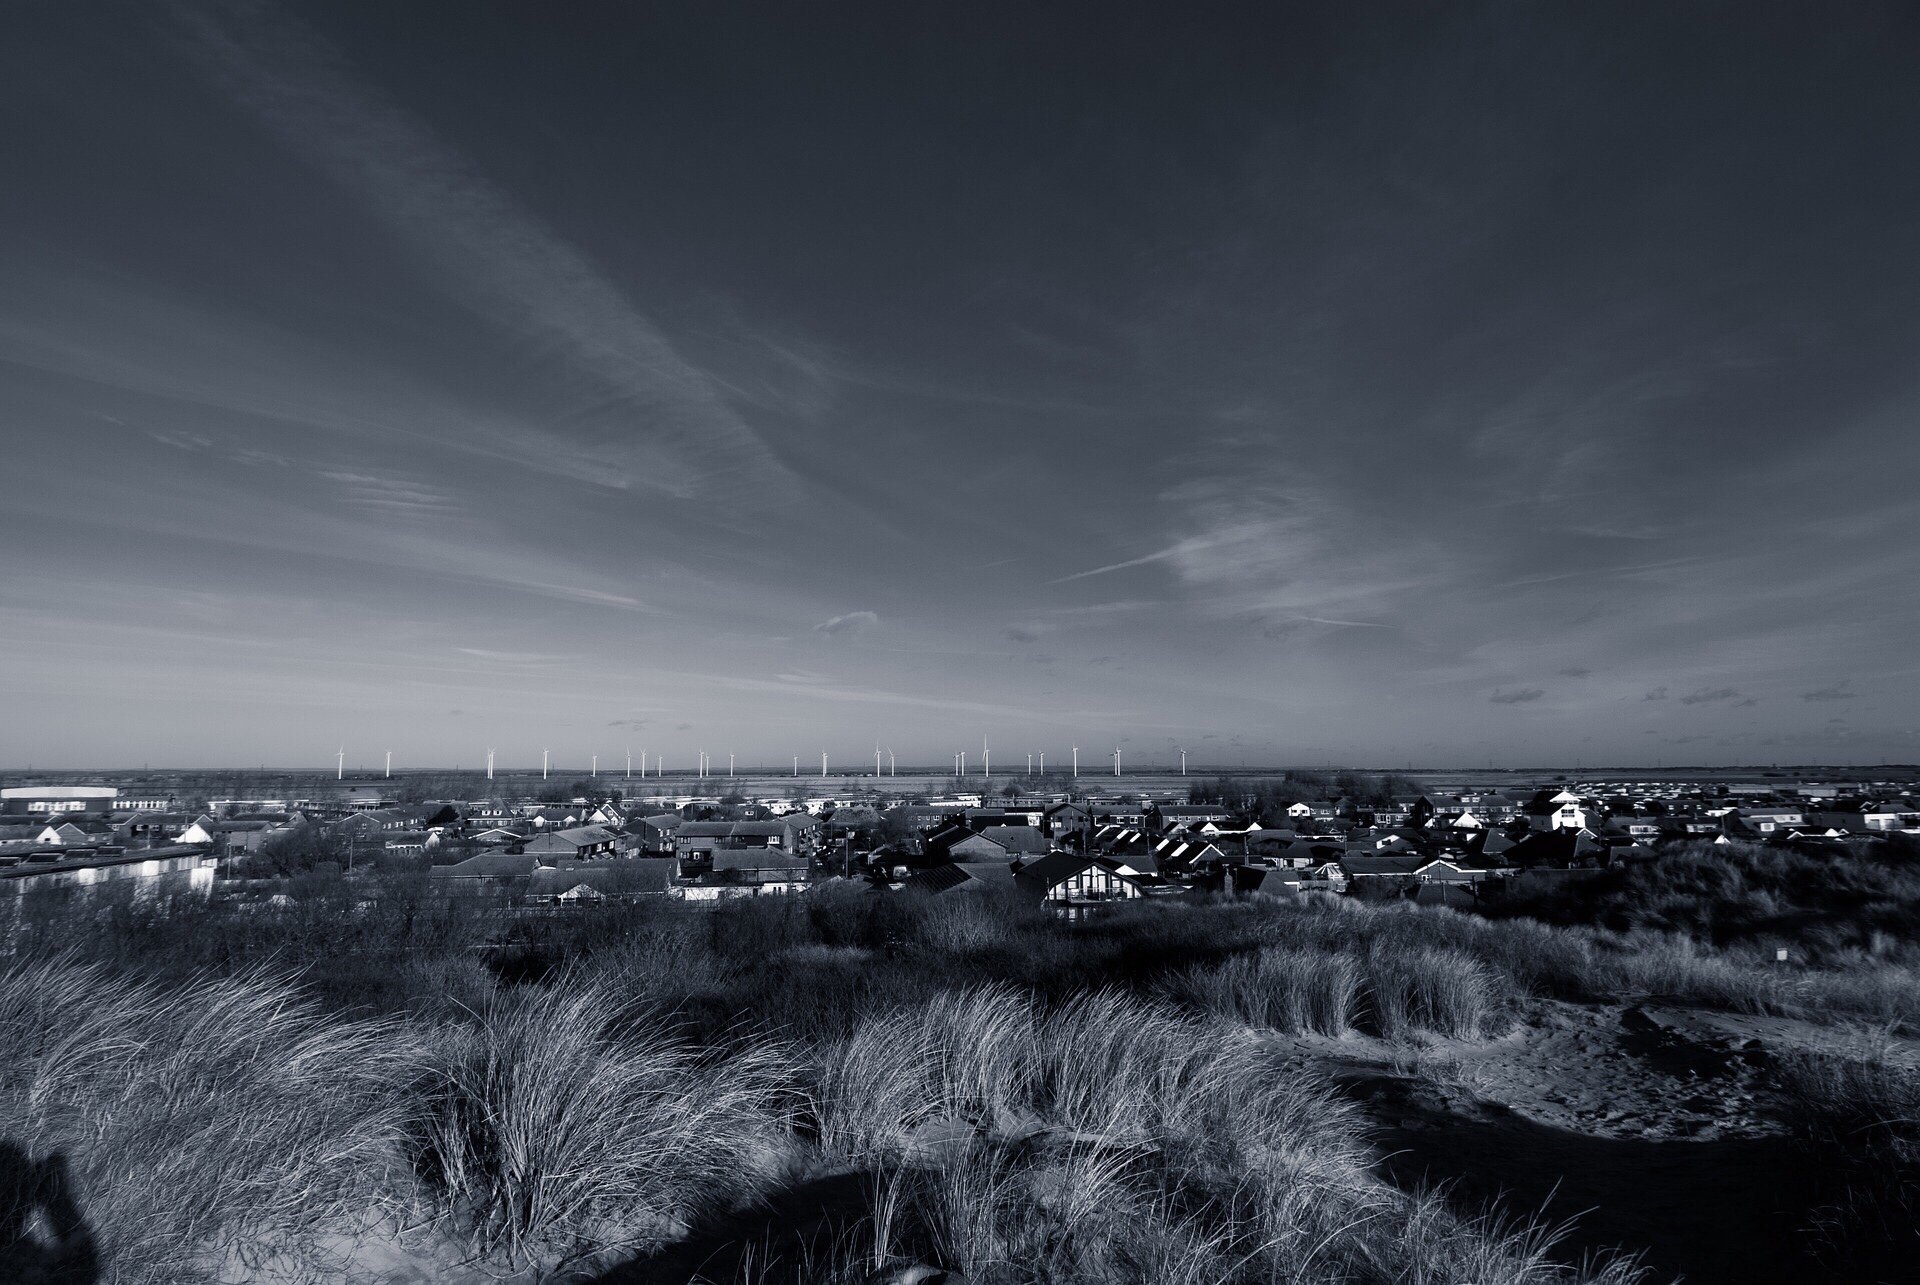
x=557 y=1125
x=1390 y=989
x=1857 y=1120
x=1112 y=1139
x=225 y=1120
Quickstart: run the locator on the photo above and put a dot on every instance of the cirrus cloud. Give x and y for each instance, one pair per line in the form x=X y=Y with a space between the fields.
x=852 y=622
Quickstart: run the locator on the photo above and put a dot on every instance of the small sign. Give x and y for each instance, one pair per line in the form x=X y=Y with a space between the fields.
x=1780 y=955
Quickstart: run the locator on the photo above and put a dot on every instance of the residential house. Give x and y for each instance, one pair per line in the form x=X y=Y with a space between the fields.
x=655 y=833
x=617 y=879
x=487 y=872
x=1001 y=843
x=1073 y=884
x=738 y=871
x=1890 y=815
x=1162 y=817
x=1762 y=820
x=1063 y=818
x=581 y=843
x=961 y=877
x=1564 y=811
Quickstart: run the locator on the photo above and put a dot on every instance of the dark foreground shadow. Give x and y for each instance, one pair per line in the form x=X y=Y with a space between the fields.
x=1715 y=1212
x=43 y=1238
x=776 y=1239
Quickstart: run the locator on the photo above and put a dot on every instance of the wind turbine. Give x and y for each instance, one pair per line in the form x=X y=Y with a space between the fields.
x=1183 y=761
x=1029 y=762
x=729 y=763
x=594 y=771
x=630 y=763
x=823 y=765
x=543 y=764
x=892 y=770
x=340 y=765
x=1076 y=762
x=489 y=765
x=1116 y=760
x=876 y=760
x=388 y=772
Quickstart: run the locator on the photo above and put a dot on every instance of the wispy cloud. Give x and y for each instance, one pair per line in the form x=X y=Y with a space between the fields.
x=1518 y=697
x=392 y=497
x=1657 y=694
x=1710 y=696
x=669 y=426
x=1837 y=692
x=852 y=622
x=1160 y=556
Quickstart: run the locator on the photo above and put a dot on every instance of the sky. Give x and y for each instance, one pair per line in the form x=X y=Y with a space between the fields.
x=1434 y=385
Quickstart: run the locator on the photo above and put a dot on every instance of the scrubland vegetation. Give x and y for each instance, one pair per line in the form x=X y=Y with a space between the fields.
x=251 y=1094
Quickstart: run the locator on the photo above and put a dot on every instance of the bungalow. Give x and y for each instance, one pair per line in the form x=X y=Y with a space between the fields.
x=963 y=877
x=580 y=843
x=68 y=834
x=1001 y=843
x=487 y=872
x=1641 y=827
x=1764 y=820
x=618 y=880
x=1263 y=881
x=1890 y=816
x=1330 y=875
x=1359 y=866
x=1073 y=884
x=1441 y=870
x=758 y=870
x=204 y=830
